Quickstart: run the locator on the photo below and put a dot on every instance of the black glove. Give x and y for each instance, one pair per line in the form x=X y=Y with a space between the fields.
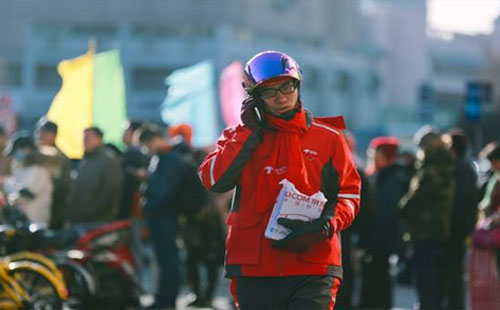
x=304 y=234
x=26 y=193
x=252 y=114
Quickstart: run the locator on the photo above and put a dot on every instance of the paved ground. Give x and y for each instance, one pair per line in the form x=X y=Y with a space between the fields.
x=222 y=300
x=404 y=298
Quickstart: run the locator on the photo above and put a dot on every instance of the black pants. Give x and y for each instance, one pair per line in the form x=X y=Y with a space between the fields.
x=376 y=283
x=285 y=293
x=454 y=287
x=193 y=265
x=429 y=269
x=163 y=230
x=346 y=290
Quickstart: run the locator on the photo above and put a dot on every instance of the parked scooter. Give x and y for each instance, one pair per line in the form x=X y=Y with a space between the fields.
x=97 y=260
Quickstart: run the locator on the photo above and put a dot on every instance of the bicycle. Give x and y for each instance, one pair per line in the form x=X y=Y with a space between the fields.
x=28 y=285
x=28 y=280
x=95 y=261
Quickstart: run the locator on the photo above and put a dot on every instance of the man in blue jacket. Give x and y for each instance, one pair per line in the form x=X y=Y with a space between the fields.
x=161 y=199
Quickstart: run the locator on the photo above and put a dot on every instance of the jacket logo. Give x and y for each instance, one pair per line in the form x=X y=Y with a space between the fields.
x=279 y=171
x=310 y=152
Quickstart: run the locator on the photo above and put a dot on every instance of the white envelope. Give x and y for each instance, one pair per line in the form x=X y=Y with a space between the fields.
x=293 y=204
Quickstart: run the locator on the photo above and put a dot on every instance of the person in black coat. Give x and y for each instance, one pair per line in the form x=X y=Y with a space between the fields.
x=462 y=219
x=134 y=163
x=382 y=235
x=349 y=236
x=426 y=210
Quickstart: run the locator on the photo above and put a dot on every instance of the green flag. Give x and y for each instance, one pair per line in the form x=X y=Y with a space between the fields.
x=109 y=113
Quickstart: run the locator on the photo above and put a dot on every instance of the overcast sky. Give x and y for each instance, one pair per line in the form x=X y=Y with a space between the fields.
x=463 y=16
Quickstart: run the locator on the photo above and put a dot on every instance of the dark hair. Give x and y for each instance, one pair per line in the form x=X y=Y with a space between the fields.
x=425 y=136
x=96 y=131
x=19 y=140
x=459 y=142
x=134 y=125
x=491 y=151
x=46 y=125
x=2 y=131
x=148 y=134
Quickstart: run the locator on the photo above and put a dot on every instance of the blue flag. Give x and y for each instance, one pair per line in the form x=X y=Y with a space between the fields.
x=191 y=99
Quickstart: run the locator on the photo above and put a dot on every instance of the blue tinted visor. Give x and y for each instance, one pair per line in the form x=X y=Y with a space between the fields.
x=268 y=65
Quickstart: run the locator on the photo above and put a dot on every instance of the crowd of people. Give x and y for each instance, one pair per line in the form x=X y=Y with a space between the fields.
x=421 y=207
x=422 y=210
x=147 y=183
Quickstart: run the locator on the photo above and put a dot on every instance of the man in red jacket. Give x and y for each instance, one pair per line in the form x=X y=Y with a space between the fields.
x=278 y=139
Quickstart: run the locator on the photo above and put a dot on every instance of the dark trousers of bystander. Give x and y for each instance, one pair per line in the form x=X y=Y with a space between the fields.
x=164 y=229
x=376 y=282
x=454 y=286
x=204 y=295
x=430 y=271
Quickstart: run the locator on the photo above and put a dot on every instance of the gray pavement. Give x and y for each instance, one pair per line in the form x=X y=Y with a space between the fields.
x=404 y=298
x=404 y=295
x=222 y=300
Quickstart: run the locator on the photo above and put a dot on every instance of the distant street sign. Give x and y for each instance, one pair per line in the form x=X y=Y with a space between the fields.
x=477 y=95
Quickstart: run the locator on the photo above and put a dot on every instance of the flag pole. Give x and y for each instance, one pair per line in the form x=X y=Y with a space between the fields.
x=92 y=45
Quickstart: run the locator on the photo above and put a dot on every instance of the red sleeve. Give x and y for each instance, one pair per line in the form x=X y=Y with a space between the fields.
x=221 y=169
x=348 y=198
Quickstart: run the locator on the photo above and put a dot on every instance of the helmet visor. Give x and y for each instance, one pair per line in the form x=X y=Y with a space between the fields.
x=272 y=65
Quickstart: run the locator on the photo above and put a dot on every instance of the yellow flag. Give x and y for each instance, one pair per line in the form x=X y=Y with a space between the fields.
x=77 y=89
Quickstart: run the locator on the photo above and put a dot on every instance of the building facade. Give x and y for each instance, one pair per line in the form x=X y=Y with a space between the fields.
x=370 y=60
x=157 y=37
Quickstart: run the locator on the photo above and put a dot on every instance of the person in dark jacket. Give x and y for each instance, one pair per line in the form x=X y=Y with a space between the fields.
x=160 y=204
x=134 y=163
x=349 y=236
x=382 y=236
x=95 y=191
x=202 y=226
x=462 y=220
x=426 y=211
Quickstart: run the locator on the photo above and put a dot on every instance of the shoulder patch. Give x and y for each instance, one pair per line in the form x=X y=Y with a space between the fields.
x=326 y=127
x=335 y=121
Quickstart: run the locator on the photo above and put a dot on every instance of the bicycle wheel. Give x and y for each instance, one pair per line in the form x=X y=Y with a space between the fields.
x=38 y=259
x=80 y=285
x=43 y=294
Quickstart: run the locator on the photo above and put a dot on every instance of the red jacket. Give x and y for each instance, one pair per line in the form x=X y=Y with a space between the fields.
x=236 y=163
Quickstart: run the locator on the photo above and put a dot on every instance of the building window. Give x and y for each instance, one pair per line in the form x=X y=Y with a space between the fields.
x=46 y=77
x=182 y=30
x=374 y=84
x=10 y=74
x=98 y=31
x=343 y=82
x=282 y=5
x=310 y=77
x=144 y=78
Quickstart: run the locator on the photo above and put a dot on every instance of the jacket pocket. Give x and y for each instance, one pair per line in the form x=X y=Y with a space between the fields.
x=243 y=244
x=324 y=252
